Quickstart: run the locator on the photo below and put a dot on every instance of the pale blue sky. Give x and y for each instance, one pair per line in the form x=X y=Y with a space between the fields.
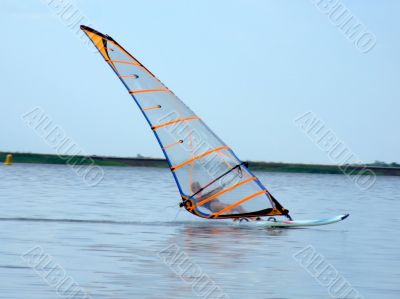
x=248 y=68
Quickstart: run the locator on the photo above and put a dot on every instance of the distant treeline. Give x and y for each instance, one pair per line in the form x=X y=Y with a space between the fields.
x=378 y=168
x=383 y=164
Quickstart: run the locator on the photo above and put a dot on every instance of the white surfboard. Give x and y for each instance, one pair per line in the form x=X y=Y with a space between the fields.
x=272 y=222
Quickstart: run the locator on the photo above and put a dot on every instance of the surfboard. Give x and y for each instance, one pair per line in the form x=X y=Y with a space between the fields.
x=273 y=222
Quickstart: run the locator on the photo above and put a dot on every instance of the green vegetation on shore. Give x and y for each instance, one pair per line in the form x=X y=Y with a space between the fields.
x=378 y=168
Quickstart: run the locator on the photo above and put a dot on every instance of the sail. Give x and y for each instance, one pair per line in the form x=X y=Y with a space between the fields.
x=212 y=181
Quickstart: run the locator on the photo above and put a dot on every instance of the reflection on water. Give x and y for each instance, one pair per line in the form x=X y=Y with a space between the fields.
x=107 y=238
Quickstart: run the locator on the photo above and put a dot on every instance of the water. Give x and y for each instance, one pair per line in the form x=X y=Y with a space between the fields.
x=108 y=238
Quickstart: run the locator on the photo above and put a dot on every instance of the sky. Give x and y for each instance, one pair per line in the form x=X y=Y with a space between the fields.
x=249 y=69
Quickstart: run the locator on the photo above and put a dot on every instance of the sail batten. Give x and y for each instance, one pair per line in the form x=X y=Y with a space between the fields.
x=175 y=121
x=149 y=90
x=212 y=180
x=123 y=62
x=176 y=167
x=152 y=108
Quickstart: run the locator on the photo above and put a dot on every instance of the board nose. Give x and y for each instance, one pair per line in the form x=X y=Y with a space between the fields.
x=345 y=216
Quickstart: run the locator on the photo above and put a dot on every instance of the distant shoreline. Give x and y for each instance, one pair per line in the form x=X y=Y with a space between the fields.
x=155 y=162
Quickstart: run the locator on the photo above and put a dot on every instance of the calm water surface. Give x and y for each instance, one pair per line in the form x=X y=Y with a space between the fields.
x=107 y=238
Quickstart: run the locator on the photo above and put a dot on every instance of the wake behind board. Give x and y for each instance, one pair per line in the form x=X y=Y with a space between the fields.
x=295 y=223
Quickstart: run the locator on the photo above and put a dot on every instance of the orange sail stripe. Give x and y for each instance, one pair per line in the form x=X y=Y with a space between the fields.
x=175 y=121
x=224 y=191
x=129 y=76
x=123 y=62
x=228 y=208
x=172 y=144
x=176 y=167
x=149 y=90
x=152 y=108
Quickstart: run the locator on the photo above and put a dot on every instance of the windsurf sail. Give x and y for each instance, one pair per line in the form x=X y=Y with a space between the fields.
x=213 y=182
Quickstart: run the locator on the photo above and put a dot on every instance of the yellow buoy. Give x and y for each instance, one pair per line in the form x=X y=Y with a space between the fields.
x=8 y=160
